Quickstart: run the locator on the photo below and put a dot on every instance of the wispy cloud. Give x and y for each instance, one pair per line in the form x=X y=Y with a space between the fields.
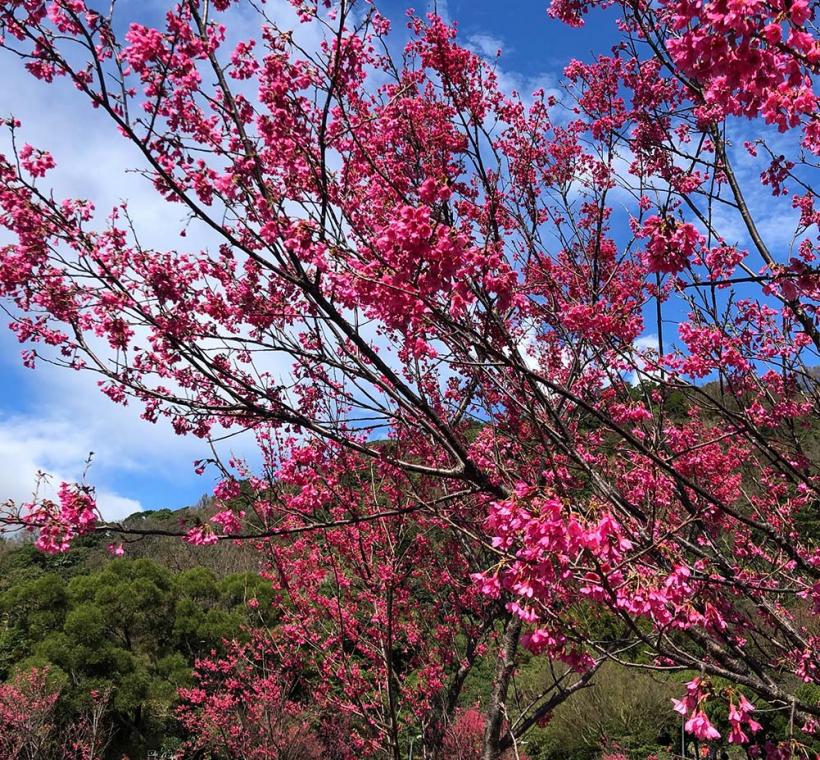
x=487 y=45
x=30 y=445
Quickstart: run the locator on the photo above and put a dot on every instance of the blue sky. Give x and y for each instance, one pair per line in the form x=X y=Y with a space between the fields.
x=50 y=419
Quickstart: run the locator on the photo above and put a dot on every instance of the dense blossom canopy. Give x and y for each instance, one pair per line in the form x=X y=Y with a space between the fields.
x=444 y=310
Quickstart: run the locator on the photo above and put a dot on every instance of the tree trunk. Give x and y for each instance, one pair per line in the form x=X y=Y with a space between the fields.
x=496 y=710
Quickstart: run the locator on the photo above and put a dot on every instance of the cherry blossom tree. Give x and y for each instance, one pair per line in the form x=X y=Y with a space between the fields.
x=240 y=707
x=445 y=311
x=29 y=726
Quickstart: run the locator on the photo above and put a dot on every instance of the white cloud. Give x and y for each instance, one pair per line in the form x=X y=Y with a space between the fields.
x=489 y=46
x=644 y=346
x=29 y=446
x=486 y=45
x=67 y=417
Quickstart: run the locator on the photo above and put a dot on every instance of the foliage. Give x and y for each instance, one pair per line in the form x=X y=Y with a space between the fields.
x=29 y=729
x=131 y=630
x=628 y=709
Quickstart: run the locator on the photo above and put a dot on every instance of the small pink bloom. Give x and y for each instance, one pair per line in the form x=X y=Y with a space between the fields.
x=700 y=726
x=116 y=550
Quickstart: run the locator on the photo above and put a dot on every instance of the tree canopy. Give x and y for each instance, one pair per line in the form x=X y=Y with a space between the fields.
x=444 y=309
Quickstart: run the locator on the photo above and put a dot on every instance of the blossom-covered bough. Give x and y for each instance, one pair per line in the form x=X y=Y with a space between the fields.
x=430 y=300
